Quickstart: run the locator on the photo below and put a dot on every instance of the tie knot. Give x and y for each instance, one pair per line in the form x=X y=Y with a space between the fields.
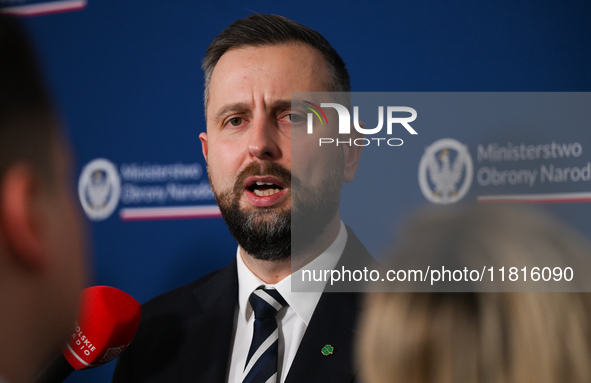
x=266 y=303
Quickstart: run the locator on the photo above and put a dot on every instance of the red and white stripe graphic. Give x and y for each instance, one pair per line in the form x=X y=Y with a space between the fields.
x=537 y=198
x=174 y=212
x=46 y=8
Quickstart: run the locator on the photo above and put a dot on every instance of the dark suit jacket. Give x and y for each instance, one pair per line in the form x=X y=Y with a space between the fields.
x=185 y=335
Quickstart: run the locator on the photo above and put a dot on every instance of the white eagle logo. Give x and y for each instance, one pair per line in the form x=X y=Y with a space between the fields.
x=444 y=174
x=99 y=189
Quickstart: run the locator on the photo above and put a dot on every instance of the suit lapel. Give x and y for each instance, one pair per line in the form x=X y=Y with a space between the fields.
x=210 y=336
x=333 y=324
x=355 y=255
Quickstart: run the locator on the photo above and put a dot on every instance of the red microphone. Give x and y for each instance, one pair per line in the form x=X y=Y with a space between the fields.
x=107 y=322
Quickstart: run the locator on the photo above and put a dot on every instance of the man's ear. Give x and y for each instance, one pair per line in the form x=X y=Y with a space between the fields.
x=203 y=138
x=352 y=154
x=20 y=216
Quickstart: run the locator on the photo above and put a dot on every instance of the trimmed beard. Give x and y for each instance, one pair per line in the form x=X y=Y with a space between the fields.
x=274 y=234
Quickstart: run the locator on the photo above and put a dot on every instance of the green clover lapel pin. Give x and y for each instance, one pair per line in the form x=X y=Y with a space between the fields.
x=327 y=350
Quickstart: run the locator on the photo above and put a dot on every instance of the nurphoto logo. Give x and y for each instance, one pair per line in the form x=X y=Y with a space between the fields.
x=392 y=117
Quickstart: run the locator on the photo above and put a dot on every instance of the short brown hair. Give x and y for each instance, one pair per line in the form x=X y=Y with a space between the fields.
x=259 y=30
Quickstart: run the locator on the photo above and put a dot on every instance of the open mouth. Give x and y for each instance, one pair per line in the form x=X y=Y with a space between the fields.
x=264 y=189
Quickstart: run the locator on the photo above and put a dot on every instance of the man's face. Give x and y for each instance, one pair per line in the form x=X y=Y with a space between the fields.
x=248 y=145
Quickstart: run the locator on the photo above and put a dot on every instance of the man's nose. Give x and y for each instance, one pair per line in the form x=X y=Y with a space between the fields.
x=263 y=140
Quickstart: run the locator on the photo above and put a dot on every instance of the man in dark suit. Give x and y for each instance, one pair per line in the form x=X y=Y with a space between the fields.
x=244 y=323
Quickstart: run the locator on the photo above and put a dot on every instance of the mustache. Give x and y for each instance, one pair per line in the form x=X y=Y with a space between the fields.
x=261 y=169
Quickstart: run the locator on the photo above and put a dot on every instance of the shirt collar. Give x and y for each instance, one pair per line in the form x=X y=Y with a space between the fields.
x=303 y=303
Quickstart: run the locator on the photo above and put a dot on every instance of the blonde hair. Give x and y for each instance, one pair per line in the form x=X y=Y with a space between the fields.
x=481 y=337
x=476 y=337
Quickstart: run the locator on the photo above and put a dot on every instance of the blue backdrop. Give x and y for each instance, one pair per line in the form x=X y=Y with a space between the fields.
x=126 y=76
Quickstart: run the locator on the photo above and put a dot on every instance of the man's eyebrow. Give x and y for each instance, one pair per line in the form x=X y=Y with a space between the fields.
x=231 y=108
x=281 y=105
x=241 y=106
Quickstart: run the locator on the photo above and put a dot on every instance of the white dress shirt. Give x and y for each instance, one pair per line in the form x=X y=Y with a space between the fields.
x=292 y=321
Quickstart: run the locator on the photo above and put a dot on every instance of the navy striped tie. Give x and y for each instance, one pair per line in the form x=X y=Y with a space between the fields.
x=261 y=363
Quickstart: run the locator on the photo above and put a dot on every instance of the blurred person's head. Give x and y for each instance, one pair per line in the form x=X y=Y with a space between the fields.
x=42 y=239
x=476 y=336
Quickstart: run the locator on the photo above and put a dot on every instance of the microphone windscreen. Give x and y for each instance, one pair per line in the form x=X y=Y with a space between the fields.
x=107 y=322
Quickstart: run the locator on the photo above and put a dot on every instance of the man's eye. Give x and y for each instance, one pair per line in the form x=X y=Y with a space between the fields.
x=236 y=121
x=295 y=118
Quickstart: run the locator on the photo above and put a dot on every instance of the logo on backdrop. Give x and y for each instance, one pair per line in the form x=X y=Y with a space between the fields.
x=446 y=171
x=99 y=188
x=145 y=191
